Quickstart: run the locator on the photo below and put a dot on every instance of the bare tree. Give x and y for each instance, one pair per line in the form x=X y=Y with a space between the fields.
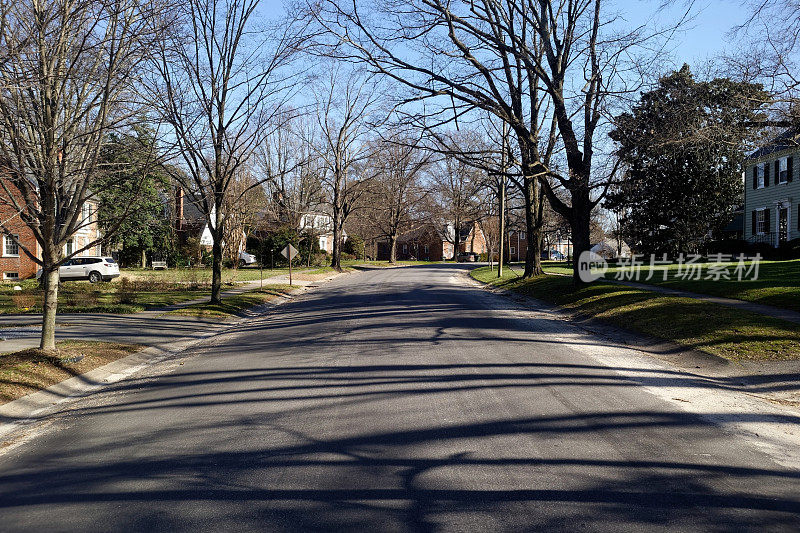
x=766 y=49
x=457 y=58
x=455 y=185
x=294 y=174
x=222 y=79
x=548 y=68
x=67 y=73
x=343 y=106
x=245 y=202
x=397 y=191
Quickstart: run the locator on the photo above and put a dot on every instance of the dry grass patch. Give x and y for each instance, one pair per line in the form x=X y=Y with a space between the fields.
x=28 y=371
x=235 y=305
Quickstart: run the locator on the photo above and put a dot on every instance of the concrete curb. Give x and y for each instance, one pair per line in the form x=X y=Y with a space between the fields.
x=31 y=408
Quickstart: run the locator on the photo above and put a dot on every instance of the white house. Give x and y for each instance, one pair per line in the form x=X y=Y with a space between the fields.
x=322 y=225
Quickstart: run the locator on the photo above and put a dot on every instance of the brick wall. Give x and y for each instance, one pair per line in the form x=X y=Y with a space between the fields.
x=13 y=259
x=19 y=262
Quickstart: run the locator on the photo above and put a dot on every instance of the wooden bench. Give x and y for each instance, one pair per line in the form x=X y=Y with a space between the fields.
x=159 y=265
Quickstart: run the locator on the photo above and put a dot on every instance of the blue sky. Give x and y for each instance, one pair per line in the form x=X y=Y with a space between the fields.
x=705 y=36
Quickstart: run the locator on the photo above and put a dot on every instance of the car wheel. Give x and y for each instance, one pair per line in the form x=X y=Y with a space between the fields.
x=95 y=277
x=242 y=263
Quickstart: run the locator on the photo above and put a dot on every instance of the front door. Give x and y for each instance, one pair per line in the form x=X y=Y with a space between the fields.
x=783 y=225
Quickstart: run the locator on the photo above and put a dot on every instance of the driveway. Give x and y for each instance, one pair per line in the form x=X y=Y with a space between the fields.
x=407 y=399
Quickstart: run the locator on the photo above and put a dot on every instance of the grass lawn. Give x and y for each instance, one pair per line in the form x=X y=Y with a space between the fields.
x=28 y=371
x=778 y=282
x=234 y=305
x=730 y=333
x=136 y=290
x=384 y=264
x=83 y=297
x=201 y=275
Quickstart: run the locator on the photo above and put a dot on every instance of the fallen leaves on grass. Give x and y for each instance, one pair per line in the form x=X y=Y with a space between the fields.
x=32 y=370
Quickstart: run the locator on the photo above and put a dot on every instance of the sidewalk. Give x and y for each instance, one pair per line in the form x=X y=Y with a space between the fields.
x=766 y=310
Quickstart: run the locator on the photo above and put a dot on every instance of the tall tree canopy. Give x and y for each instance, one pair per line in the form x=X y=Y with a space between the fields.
x=135 y=182
x=683 y=145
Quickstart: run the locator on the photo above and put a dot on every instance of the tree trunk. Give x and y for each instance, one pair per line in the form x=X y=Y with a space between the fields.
x=579 y=224
x=49 y=308
x=336 y=262
x=144 y=258
x=336 y=252
x=216 y=269
x=393 y=249
x=533 y=259
x=457 y=240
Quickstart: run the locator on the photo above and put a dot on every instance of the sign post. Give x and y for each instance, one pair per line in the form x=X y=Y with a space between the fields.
x=289 y=252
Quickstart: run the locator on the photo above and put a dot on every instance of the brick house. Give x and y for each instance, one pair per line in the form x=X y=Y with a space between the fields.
x=771 y=192
x=472 y=239
x=15 y=262
x=517 y=245
x=424 y=243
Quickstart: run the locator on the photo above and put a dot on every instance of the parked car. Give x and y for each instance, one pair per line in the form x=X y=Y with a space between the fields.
x=246 y=259
x=94 y=269
x=465 y=257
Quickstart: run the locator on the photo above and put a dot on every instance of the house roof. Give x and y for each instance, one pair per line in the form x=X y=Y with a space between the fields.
x=788 y=139
x=423 y=231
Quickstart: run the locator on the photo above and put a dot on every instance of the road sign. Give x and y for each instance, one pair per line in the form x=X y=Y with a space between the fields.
x=289 y=252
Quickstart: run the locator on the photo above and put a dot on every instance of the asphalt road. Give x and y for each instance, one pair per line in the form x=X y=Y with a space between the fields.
x=397 y=399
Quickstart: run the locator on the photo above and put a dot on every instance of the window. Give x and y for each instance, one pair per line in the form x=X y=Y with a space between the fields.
x=760 y=179
x=783 y=171
x=87 y=213
x=405 y=248
x=522 y=235
x=10 y=275
x=512 y=250
x=11 y=246
x=426 y=249
x=761 y=221
x=69 y=247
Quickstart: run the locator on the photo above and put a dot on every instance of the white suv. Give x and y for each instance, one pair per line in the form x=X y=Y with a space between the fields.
x=94 y=269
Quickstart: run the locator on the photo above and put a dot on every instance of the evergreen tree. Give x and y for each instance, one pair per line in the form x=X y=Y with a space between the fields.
x=682 y=147
x=148 y=227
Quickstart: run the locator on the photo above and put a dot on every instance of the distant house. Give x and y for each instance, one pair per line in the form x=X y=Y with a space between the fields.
x=772 y=194
x=320 y=224
x=189 y=220
x=15 y=263
x=424 y=243
x=610 y=249
x=472 y=239
x=428 y=243
x=516 y=246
